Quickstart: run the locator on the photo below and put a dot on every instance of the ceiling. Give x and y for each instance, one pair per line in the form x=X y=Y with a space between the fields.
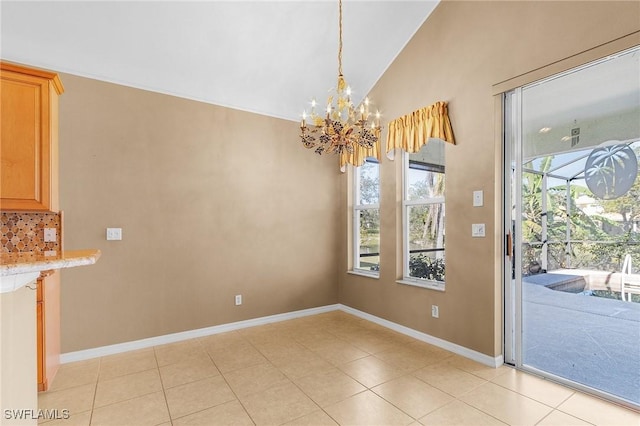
x=267 y=57
x=600 y=100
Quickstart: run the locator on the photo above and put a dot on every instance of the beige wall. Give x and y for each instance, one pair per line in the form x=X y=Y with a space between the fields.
x=213 y=202
x=458 y=55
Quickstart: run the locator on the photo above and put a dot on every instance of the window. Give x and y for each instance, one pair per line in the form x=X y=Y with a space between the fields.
x=424 y=213
x=366 y=218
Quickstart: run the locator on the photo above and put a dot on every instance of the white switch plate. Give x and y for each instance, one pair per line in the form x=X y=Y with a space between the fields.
x=114 y=234
x=478 y=198
x=477 y=230
x=238 y=299
x=50 y=235
x=435 y=311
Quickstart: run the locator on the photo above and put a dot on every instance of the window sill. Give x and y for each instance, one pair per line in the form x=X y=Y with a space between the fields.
x=430 y=285
x=364 y=273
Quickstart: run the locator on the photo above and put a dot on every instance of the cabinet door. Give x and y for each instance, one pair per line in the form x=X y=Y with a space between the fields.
x=25 y=142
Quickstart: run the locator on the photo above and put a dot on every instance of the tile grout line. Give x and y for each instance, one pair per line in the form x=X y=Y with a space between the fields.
x=164 y=393
x=229 y=385
x=482 y=411
x=297 y=386
x=95 y=391
x=554 y=408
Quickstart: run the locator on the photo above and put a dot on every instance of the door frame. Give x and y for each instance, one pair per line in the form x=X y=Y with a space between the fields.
x=511 y=143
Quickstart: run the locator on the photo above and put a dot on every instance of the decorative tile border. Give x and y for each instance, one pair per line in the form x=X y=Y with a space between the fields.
x=24 y=232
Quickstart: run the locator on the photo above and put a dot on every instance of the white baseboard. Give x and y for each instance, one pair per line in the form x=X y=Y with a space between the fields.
x=444 y=344
x=186 y=335
x=208 y=331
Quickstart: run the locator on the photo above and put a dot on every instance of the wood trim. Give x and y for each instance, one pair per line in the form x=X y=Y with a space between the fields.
x=51 y=326
x=54 y=158
x=40 y=339
x=61 y=234
x=36 y=72
x=39 y=289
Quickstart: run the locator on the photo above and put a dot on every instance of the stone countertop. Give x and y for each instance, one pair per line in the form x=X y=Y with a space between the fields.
x=18 y=269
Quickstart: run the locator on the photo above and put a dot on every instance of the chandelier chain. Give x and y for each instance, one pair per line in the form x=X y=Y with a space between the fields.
x=340 y=39
x=344 y=127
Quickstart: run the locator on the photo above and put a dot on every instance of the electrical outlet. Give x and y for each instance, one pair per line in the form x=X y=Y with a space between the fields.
x=434 y=311
x=238 y=299
x=50 y=235
x=114 y=234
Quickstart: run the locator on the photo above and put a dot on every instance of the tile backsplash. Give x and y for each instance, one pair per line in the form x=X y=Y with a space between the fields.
x=24 y=232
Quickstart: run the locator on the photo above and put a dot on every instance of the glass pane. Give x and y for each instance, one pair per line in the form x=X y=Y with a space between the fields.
x=427 y=266
x=369 y=191
x=431 y=153
x=424 y=184
x=580 y=203
x=426 y=241
x=369 y=240
x=425 y=176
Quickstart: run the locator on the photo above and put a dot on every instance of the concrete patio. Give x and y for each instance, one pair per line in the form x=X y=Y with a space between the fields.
x=590 y=340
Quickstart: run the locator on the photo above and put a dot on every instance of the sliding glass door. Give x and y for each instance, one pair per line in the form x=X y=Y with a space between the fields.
x=572 y=226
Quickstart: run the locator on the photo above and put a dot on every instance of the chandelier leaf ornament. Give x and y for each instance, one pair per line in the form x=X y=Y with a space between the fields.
x=340 y=127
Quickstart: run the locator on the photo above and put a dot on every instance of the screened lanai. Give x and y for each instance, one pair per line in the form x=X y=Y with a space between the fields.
x=580 y=209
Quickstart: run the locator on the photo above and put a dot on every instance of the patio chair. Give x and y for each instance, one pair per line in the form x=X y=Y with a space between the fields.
x=629 y=283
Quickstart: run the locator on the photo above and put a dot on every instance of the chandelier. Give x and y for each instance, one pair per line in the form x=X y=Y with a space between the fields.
x=340 y=126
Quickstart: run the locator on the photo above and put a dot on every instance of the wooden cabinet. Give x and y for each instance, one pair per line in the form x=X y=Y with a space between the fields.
x=28 y=139
x=29 y=182
x=48 y=327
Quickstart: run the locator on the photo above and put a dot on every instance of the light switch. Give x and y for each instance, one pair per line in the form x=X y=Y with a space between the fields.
x=114 y=234
x=50 y=235
x=477 y=230
x=478 y=198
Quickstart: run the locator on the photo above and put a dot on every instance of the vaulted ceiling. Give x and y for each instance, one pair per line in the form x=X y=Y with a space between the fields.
x=268 y=57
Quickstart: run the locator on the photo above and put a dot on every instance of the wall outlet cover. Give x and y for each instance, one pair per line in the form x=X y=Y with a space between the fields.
x=114 y=234
x=50 y=235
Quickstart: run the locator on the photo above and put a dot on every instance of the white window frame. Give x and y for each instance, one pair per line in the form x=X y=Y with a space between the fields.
x=406 y=203
x=357 y=207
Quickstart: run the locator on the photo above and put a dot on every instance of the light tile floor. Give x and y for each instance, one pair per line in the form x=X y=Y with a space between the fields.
x=326 y=369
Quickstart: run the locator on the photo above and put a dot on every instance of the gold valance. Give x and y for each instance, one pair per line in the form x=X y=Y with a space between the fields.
x=360 y=154
x=412 y=131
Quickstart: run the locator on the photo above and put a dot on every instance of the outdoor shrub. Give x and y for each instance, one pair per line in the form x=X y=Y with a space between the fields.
x=422 y=266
